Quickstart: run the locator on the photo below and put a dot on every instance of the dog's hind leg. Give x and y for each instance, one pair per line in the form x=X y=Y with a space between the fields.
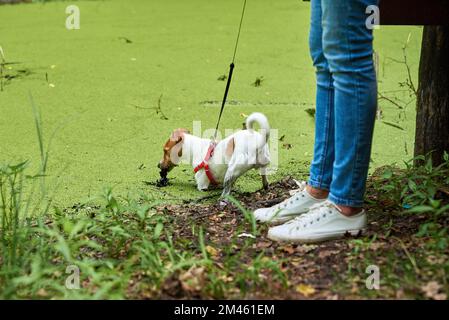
x=263 y=175
x=264 y=182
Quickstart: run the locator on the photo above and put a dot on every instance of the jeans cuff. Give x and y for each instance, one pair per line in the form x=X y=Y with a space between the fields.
x=345 y=202
x=318 y=185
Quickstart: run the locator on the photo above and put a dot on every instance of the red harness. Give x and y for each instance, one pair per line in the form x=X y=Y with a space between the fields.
x=205 y=165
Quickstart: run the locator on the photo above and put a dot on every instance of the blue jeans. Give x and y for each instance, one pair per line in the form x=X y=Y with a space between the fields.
x=346 y=100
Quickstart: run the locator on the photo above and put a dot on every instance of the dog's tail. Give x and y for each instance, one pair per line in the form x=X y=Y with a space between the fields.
x=259 y=118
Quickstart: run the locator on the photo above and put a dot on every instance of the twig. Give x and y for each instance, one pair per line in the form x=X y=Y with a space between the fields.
x=409 y=82
x=381 y=96
x=139 y=107
x=394 y=125
x=409 y=73
x=158 y=109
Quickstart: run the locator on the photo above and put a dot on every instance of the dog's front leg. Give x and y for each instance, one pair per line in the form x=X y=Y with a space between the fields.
x=227 y=186
x=228 y=182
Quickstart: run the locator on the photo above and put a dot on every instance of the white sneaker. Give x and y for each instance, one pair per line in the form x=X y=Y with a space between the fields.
x=289 y=209
x=323 y=222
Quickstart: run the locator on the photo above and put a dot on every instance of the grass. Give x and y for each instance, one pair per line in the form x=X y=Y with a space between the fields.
x=138 y=248
x=124 y=247
x=89 y=82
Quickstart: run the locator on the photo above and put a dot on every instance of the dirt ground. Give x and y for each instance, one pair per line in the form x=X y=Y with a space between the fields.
x=330 y=270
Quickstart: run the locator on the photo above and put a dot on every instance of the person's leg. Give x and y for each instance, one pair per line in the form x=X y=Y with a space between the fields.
x=323 y=156
x=347 y=46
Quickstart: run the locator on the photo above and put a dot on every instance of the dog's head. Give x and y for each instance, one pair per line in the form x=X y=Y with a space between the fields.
x=172 y=150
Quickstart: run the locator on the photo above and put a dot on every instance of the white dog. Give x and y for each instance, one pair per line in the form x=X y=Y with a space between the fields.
x=221 y=163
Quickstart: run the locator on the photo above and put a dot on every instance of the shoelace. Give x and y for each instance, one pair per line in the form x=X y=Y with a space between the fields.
x=316 y=213
x=298 y=192
x=301 y=187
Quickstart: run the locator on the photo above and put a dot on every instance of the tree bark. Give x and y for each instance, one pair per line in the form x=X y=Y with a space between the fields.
x=432 y=119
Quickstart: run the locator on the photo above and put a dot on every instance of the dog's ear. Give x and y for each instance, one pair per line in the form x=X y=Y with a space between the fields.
x=176 y=137
x=230 y=147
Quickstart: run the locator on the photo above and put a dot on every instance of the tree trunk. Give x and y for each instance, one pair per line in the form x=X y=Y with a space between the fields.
x=432 y=119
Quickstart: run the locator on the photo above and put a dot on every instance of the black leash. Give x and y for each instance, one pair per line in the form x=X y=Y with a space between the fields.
x=231 y=70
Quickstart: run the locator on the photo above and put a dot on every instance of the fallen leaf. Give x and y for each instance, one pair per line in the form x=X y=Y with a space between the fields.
x=193 y=279
x=432 y=291
x=326 y=253
x=296 y=262
x=376 y=245
x=432 y=260
x=212 y=251
x=263 y=244
x=400 y=294
x=306 y=248
x=289 y=249
x=440 y=296
x=226 y=278
x=42 y=292
x=305 y=290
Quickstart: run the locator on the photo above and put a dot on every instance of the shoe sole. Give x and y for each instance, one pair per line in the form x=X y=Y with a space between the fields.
x=322 y=237
x=281 y=220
